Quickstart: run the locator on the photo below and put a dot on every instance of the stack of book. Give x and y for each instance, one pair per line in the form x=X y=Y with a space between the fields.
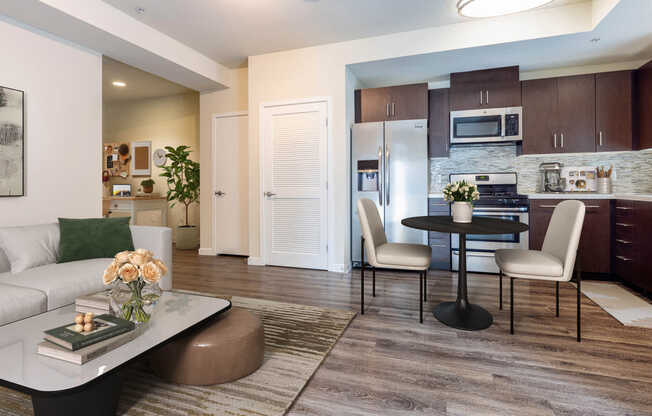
x=97 y=303
x=64 y=343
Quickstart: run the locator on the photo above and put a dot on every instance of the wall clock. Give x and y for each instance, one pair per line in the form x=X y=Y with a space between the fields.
x=160 y=157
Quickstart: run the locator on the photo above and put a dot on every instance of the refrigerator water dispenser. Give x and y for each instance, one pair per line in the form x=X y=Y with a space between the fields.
x=368 y=175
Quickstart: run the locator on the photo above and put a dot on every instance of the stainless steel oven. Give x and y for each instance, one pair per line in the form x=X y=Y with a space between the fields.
x=480 y=248
x=498 y=199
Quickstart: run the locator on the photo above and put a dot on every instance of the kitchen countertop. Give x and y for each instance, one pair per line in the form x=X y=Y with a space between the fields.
x=578 y=195
x=591 y=195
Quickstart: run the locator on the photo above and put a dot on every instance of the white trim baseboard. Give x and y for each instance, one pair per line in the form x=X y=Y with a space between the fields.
x=207 y=252
x=256 y=261
x=340 y=268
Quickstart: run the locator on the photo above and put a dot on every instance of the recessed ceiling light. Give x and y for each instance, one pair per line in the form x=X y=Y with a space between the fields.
x=119 y=84
x=491 y=8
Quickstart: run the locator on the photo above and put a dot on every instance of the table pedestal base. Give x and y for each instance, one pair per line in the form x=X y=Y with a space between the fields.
x=99 y=397
x=470 y=318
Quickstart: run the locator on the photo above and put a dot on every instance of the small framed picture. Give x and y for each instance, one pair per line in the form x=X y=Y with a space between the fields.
x=121 y=190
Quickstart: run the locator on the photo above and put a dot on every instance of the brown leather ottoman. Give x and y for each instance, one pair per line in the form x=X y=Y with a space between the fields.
x=226 y=349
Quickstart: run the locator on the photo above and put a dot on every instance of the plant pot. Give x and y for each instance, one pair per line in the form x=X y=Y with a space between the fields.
x=187 y=237
x=462 y=212
x=148 y=189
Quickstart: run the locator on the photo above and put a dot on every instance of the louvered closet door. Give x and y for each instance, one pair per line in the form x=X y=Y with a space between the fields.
x=295 y=185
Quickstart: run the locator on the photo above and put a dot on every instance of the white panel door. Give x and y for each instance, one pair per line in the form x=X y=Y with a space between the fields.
x=231 y=185
x=295 y=201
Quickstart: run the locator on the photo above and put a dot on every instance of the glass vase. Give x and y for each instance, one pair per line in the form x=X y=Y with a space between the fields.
x=134 y=301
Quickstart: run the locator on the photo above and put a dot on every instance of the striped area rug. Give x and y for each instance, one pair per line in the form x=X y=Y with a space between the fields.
x=297 y=339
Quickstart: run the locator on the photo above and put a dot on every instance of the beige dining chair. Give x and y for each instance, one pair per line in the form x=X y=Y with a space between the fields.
x=554 y=262
x=384 y=255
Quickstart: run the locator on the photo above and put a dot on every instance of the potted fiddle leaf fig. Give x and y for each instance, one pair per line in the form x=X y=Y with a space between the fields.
x=182 y=176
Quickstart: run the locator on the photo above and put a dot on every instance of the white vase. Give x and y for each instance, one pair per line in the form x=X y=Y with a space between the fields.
x=462 y=211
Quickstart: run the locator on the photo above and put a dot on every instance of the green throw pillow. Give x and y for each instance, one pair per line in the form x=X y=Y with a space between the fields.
x=93 y=238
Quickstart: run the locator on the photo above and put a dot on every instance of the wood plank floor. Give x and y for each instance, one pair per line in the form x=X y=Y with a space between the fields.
x=388 y=364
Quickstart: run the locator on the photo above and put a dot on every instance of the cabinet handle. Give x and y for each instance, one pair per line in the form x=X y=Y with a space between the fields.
x=562 y=140
x=487 y=100
x=592 y=206
x=623 y=258
x=555 y=140
x=439 y=245
x=622 y=224
x=480 y=97
x=618 y=240
x=439 y=205
x=625 y=208
x=547 y=206
x=387 y=110
x=393 y=109
x=600 y=139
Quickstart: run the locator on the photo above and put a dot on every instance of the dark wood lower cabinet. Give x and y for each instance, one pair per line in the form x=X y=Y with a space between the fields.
x=632 y=241
x=595 y=244
x=439 y=242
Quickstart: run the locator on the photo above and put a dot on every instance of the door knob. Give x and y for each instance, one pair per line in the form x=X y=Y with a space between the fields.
x=269 y=194
x=220 y=193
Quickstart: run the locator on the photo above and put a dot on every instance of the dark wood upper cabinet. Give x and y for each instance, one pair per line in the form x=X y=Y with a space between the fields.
x=438 y=123
x=374 y=105
x=559 y=115
x=614 y=111
x=576 y=113
x=644 y=106
x=539 y=116
x=409 y=102
x=489 y=88
x=405 y=102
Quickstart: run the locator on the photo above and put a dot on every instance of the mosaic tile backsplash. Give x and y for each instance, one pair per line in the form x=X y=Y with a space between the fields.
x=632 y=170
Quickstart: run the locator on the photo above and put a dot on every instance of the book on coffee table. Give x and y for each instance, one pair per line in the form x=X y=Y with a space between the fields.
x=106 y=326
x=87 y=309
x=95 y=301
x=85 y=354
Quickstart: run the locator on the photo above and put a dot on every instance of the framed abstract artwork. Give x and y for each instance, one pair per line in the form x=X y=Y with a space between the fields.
x=12 y=142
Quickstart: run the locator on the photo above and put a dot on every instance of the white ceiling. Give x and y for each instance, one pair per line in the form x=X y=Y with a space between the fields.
x=229 y=31
x=140 y=84
x=625 y=35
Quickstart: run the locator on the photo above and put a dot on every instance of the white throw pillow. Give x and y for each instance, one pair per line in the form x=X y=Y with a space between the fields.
x=30 y=246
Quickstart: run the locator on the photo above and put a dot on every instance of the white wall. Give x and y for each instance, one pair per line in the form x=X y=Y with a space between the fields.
x=233 y=99
x=321 y=72
x=63 y=126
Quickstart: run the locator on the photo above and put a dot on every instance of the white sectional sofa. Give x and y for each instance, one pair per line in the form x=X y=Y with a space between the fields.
x=50 y=286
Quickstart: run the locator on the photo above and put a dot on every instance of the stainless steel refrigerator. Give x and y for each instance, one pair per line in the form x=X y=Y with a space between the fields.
x=389 y=165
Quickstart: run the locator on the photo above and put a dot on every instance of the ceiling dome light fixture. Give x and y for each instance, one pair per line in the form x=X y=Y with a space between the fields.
x=492 y=8
x=119 y=84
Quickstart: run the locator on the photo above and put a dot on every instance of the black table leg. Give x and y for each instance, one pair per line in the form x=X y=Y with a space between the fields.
x=99 y=397
x=461 y=314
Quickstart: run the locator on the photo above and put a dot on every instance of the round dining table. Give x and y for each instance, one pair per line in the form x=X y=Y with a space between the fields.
x=461 y=314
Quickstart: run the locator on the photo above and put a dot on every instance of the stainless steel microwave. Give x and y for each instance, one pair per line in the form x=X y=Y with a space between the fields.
x=491 y=125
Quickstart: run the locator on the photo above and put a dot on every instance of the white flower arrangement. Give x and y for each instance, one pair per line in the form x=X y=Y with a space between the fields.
x=461 y=191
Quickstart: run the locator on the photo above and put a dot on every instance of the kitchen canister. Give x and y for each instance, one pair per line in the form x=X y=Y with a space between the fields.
x=604 y=185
